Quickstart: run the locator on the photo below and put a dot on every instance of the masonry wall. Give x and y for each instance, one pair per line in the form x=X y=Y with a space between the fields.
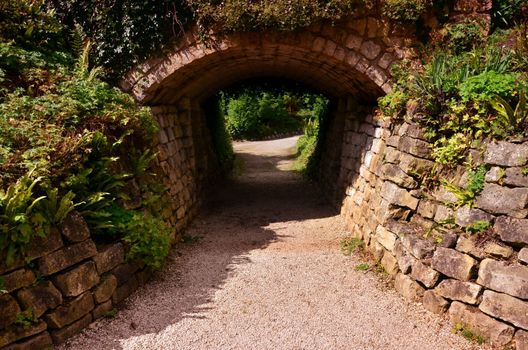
x=479 y=280
x=68 y=280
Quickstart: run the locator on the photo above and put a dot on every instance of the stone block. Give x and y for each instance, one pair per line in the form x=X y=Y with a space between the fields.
x=393 y=173
x=506 y=154
x=497 y=333
x=14 y=333
x=434 y=302
x=424 y=274
x=512 y=230
x=412 y=165
x=399 y=196
x=109 y=257
x=124 y=272
x=386 y=238
x=370 y=49
x=389 y=263
x=494 y=174
x=78 y=280
x=405 y=260
x=501 y=277
x=74 y=228
x=102 y=309
x=466 y=292
x=523 y=255
x=40 y=298
x=498 y=250
x=506 y=308
x=124 y=291
x=61 y=335
x=427 y=209
x=66 y=257
x=408 y=288
x=419 y=248
x=453 y=263
x=74 y=310
x=516 y=177
x=18 y=279
x=104 y=291
x=415 y=147
x=41 y=246
x=38 y=342
x=10 y=310
x=502 y=200
x=466 y=216
x=521 y=340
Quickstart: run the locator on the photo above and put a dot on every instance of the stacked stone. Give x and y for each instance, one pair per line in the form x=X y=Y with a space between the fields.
x=177 y=166
x=66 y=283
x=481 y=280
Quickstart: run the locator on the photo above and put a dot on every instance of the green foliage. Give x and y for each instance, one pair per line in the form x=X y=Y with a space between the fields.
x=505 y=12
x=110 y=313
x=148 y=238
x=475 y=184
x=478 y=226
x=450 y=150
x=350 y=245
x=468 y=333
x=510 y=120
x=487 y=85
x=362 y=267
x=393 y=103
x=405 y=10
x=465 y=35
x=26 y=318
x=20 y=221
x=240 y=15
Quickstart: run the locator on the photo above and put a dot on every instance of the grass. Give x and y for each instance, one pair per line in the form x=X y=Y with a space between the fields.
x=110 y=313
x=468 y=333
x=362 y=267
x=350 y=245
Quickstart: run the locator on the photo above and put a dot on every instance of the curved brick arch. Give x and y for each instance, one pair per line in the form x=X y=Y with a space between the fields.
x=350 y=58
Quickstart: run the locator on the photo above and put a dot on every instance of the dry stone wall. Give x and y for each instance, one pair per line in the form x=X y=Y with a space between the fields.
x=68 y=280
x=480 y=280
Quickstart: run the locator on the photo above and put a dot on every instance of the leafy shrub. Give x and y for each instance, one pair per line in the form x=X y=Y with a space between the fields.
x=405 y=10
x=148 y=238
x=465 y=35
x=510 y=120
x=477 y=226
x=475 y=184
x=504 y=12
x=450 y=150
x=487 y=85
x=393 y=103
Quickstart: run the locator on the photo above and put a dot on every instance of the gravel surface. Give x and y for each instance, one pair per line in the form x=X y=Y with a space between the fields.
x=267 y=273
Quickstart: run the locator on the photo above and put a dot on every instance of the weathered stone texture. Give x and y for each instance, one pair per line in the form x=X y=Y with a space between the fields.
x=509 y=279
x=497 y=333
x=101 y=309
x=104 y=291
x=521 y=340
x=389 y=263
x=506 y=308
x=74 y=310
x=506 y=154
x=408 y=288
x=78 y=280
x=66 y=257
x=18 y=279
x=523 y=255
x=466 y=216
x=512 y=230
x=75 y=228
x=10 y=310
x=109 y=257
x=434 y=302
x=399 y=196
x=419 y=248
x=15 y=333
x=386 y=238
x=61 y=335
x=466 y=292
x=453 y=264
x=40 y=298
x=38 y=342
x=424 y=274
x=122 y=292
x=502 y=200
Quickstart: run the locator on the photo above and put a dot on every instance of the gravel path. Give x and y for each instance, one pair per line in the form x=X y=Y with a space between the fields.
x=267 y=273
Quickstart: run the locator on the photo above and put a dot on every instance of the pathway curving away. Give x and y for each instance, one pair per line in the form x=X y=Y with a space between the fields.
x=267 y=274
